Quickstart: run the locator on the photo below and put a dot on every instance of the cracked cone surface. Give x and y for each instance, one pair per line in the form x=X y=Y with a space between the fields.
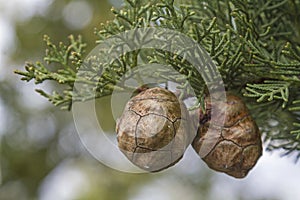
x=232 y=146
x=153 y=131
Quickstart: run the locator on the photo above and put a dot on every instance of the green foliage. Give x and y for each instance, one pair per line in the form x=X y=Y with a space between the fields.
x=64 y=61
x=269 y=90
x=254 y=44
x=296 y=108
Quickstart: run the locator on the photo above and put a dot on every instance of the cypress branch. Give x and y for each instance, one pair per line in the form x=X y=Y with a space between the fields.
x=254 y=44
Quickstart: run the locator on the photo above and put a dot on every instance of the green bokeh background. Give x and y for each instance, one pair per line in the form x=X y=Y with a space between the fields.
x=41 y=153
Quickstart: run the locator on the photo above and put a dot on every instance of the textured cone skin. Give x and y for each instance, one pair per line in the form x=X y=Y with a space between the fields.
x=232 y=146
x=153 y=130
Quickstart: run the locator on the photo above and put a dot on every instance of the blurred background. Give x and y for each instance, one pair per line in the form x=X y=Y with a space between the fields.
x=41 y=156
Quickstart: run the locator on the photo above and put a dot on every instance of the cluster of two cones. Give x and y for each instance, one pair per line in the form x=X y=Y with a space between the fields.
x=156 y=128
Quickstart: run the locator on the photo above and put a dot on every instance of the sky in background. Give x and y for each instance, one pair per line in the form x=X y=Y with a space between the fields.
x=273 y=176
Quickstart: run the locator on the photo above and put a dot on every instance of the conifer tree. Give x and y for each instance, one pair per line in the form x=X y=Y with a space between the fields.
x=254 y=44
